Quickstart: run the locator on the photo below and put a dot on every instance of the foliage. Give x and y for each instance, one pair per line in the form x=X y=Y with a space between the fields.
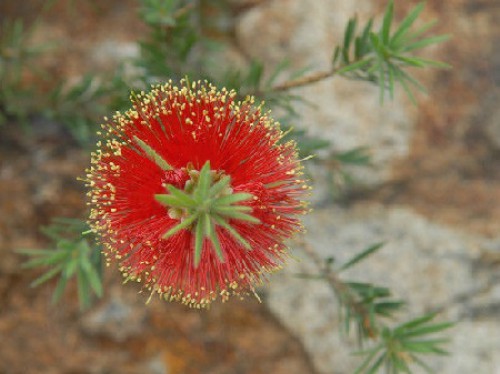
x=16 y=99
x=74 y=256
x=403 y=345
x=172 y=36
x=383 y=57
x=81 y=106
x=207 y=205
x=366 y=307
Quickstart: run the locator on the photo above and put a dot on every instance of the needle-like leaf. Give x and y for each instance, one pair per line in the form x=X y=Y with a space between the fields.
x=386 y=24
x=233 y=198
x=152 y=154
x=240 y=216
x=218 y=187
x=182 y=225
x=221 y=222
x=204 y=182
x=214 y=239
x=198 y=241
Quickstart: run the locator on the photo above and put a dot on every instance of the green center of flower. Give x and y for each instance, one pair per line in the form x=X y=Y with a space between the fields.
x=207 y=201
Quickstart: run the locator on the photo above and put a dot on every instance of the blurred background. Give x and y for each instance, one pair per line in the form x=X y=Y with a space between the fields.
x=430 y=190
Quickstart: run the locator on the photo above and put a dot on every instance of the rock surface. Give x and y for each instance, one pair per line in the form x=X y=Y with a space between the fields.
x=429 y=266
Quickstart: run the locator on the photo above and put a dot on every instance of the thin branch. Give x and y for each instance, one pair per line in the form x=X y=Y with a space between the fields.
x=183 y=10
x=342 y=290
x=247 y=5
x=304 y=81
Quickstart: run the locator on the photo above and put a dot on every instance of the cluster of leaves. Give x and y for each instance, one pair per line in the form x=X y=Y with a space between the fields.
x=404 y=344
x=383 y=57
x=206 y=205
x=16 y=99
x=367 y=307
x=79 y=107
x=74 y=256
x=173 y=34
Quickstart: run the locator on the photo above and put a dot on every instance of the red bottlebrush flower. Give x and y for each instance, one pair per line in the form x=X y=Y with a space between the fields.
x=194 y=193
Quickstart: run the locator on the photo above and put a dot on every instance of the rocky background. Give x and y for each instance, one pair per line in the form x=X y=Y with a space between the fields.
x=432 y=196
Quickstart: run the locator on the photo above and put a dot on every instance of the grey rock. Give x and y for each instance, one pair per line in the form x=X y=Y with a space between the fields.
x=491 y=118
x=428 y=265
x=155 y=365
x=117 y=319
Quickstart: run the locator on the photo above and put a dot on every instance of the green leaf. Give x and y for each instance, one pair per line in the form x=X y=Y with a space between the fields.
x=370 y=356
x=336 y=55
x=398 y=363
x=377 y=364
x=422 y=62
x=425 y=346
x=218 y=187
x=83 y=289
x=348 y=38
x=422 y=364
x=426 y=42
x=405 y=77
x=233 y=198
x=92 y=276
x=362 y=255
x=431 y=329
x=221 y=222
x=355 y=156
x=238 y=215
x=414 y=323
x=281 y=67
x=214 y=238
x=255 y=74
x=56 y=257
x=354 y=66
x=152 y=154
x=46 y=276
x=188 y=221
x=421 y=30
x=386 y=25
x=61 y=285
x=387 y=308
x=403 y=81
x=406 y=24
x=170 y=201
x=182 y=197
x=35 y=252
x=362 y=46
x=70 y=267
x=204 y=182
x=390 y=74
x=198 y=240
x=222 y=209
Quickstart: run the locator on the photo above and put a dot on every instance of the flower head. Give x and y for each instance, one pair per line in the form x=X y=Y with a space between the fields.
x=195 y=193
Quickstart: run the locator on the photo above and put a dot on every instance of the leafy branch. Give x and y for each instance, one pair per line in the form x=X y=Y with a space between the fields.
x=381 y=57
x=72 y=256
x=360 y=300
x=15 y=55
x=402 y=346
x=363 y=304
